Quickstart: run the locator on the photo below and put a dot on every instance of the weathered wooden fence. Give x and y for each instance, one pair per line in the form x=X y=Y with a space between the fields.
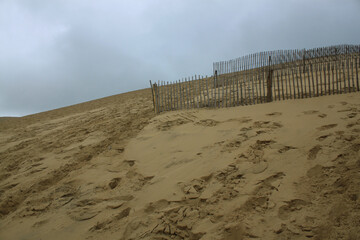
x=261 y=59
x=292 y=78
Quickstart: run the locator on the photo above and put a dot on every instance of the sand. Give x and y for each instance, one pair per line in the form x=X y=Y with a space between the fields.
x=112 y=169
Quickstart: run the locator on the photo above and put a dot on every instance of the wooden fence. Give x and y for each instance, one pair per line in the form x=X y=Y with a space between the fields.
x=261 y=59
x=253 y=84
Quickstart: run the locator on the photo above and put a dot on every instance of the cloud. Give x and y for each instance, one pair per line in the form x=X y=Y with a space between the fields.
x=62 y=52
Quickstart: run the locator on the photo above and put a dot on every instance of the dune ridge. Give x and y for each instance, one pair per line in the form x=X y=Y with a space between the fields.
x=111 y=169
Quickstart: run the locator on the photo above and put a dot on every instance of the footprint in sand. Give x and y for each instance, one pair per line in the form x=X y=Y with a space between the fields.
x=259 y=167
x=293 y=205
x=267 y=124
x=310 y=112
x=114 y=182
x=286 y=148
x=313 y=152
x=323 y=137
x=207 y=123
x=351 y=124
x=351 y=115
x=326 y=127
x=129 y=162
x=274 y=114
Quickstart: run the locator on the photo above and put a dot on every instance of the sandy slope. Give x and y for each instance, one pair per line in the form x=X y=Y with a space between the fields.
x=109 y=169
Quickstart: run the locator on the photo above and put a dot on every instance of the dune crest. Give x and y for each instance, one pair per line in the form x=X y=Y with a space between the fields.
x=112 y=169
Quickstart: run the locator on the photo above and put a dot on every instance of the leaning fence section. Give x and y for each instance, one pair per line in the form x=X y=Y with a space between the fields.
x=254 y=84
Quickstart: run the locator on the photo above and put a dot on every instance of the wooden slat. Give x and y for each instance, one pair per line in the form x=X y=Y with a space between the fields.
x=332 y=77
x=301 y=81
x=348 y=70
x=171 y=96
x=231 y=90
x=253 y=86
x=237 y=91
x=226 y=92
x=223 y=88
x=245 y=90
x=297 y=80
x=329 y=80
x=293 y=82
x=317 y=80
x=320 y=79
x=337 y=76
x=187 y=86
x=218 y=96
x=165 y=97
x=176 y=93
x=312 y=79
x=309 y=81
x=278 y=85
x=259 y=83
x=154 y=95
x=357 y=75
x=352 y=72
x=181 y=95
x=282 y=84
x=324 y=72
x=207 y=91
x=161 y=93
x=256 y=81
x=344 y=77
x=284 y=79
x=241 y=91
x=158 y=97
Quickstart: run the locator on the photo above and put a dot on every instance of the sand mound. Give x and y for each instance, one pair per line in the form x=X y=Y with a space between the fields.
x=112 y=169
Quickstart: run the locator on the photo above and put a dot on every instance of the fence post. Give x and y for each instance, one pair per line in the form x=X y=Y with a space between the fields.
x=269 y=82
x=153 y=96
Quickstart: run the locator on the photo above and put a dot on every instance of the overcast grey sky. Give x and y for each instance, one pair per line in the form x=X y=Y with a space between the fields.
x=62 y=52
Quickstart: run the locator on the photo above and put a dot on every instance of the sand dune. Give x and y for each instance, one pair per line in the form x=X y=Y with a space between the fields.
x=111 y=169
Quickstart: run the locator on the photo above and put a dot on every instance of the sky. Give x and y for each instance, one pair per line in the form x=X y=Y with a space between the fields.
x=62 y=52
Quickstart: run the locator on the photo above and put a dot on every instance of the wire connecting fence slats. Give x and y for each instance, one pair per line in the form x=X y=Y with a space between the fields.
x=264 y=77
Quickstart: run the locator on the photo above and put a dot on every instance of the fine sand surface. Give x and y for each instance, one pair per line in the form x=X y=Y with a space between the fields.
x=111 y=169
